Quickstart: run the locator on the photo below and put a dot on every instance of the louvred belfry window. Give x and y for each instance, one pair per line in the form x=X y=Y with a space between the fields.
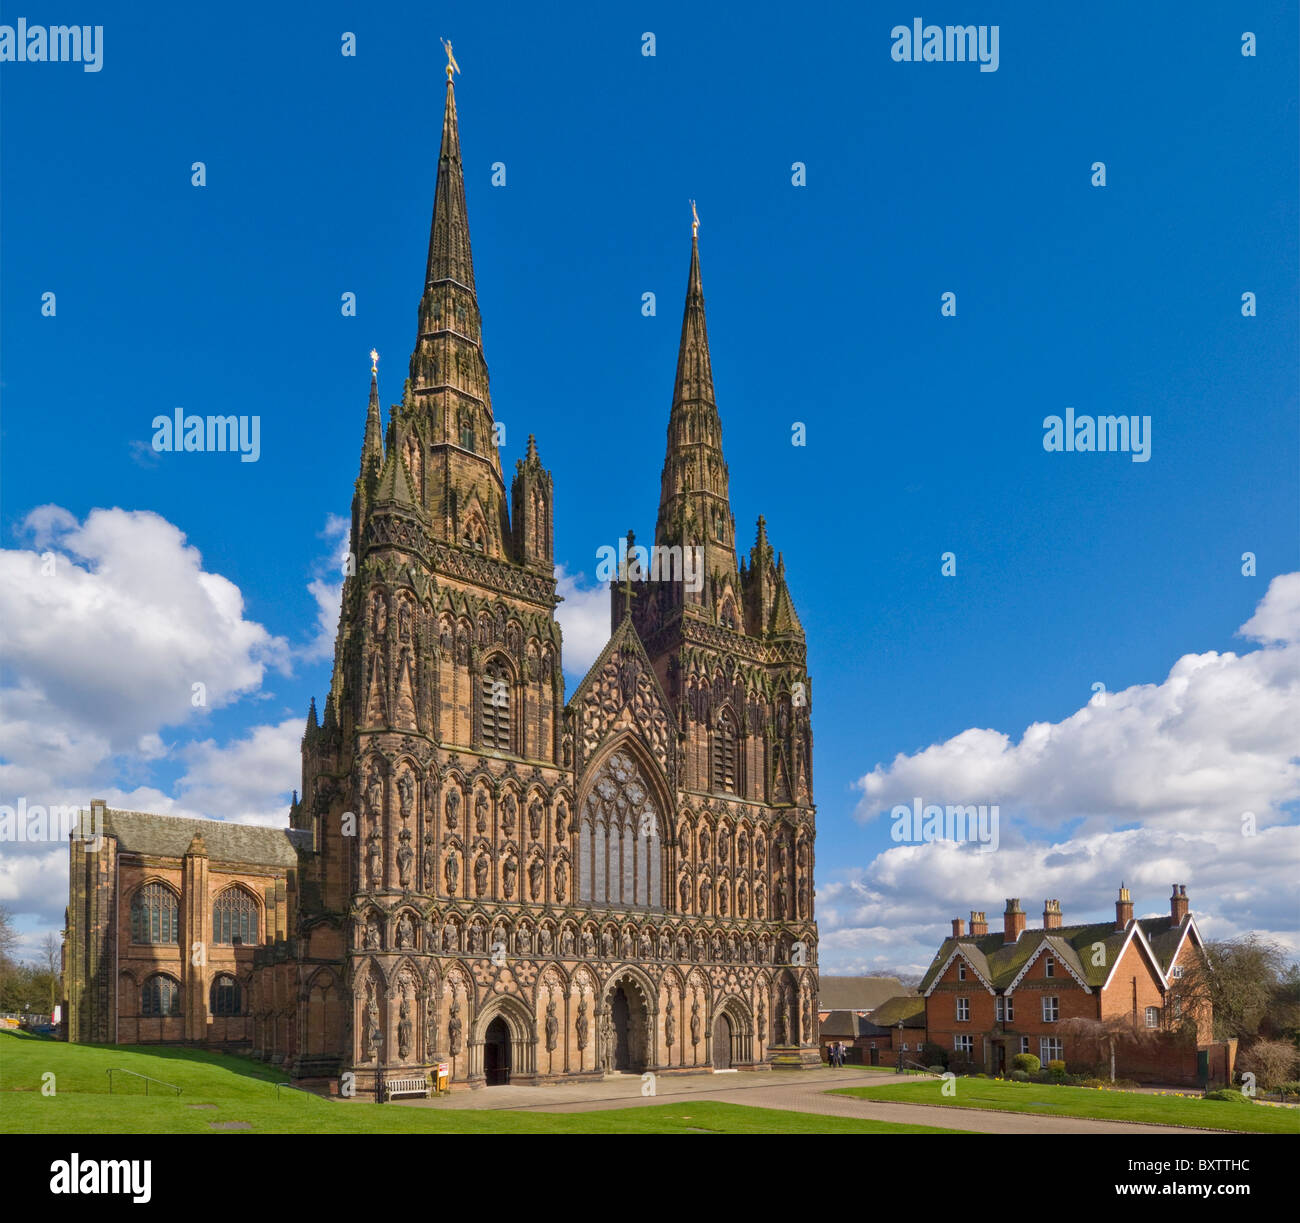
x=724 y=754
x=496 y=707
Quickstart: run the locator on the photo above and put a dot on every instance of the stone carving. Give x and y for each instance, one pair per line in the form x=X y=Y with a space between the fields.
x=535 y=819
x=372 y=936
x=427 y=862
x=544 y=940
x=405 y=932
x=454 y=1028
x=582 y=1024
x=374 y=859
x=405 y=858
x=695 y=1023
x=404 y=1030
x=405 y=794
x=508 y=809
x=588 y=943
x=453 y=810
x=535 y=873
x=372 y=1019
x=481 y=812
x=670 y=1024
x=609 y=1038
x=374 y=791
x=561 y=879
x=566 y=941
x=480 y=875
x=452 y=872
x=552 y=1028
x=561 y=821
x=508 y=873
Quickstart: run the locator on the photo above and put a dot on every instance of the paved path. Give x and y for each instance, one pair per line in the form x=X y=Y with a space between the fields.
x=793 y=1091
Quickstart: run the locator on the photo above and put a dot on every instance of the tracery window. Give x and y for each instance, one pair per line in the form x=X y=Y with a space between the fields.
x=160 y=996
x=155 y=915
x=224 y=997
x=620 y=851
x=234 y=917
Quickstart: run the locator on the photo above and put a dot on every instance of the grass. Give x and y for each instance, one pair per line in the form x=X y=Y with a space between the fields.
x=1039 y=1099
x=241 y=1090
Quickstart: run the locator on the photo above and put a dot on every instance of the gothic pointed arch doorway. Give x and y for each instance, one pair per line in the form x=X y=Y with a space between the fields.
x=496 y=1053
x=626 y=1032
x=722 y=1040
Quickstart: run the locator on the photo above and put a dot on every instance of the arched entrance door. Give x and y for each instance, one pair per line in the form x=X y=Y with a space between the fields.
x=621 y=1017
x=722 y=1042
x=628 y=1042
x=496 y=1053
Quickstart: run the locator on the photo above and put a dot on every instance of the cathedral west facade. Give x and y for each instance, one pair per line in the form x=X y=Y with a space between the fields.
x=479 y=872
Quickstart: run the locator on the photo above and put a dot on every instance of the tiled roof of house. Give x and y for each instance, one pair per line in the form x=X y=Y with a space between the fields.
x=844 y=1025
x=856 y=993
x=1000 y=962
x=170 y=836
x=907 y=1009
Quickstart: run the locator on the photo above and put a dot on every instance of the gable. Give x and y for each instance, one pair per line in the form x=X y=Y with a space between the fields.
x=622 y=695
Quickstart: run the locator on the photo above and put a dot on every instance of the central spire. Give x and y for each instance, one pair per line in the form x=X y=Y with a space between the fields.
x=694 y=501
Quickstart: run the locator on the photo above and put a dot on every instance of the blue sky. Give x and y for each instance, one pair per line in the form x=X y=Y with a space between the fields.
x=924 y=432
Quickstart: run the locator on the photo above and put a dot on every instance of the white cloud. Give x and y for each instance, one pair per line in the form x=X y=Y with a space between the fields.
x=326 y=587
x=584 y=620
x=1149 y=789
x=248 y=780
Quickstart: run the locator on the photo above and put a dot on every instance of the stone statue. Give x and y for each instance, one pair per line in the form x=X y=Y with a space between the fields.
x=374 y=859
x=544 y=940
x=611 y=1039
x=803 y=898
x=588 y=943
x=670 y=1024
x=480 y=875
x=535 y=872
x=723 y=845
x=372 y=933
x=606 y=944
x=404 y=1030
x=477 y=939
x=627 y=944
x=566 y=941
x=582 y=1024
x=405 y=858
x=427 y=862
x=521 y=941
x=452 y=872
x=508 y=809
x=561 y=877
x=535 y=820
x=695 y=1023
x=374 y=791
x=706 y=890
x=453 y=810
x=454 y=1028
x=685 y=889
x=372 y=1019
x=430 y=1028
x=405 y=932
x=552 y=1027
x=762 y=1017
x=481 y=812
x=561 y=821
x=508 y=873
x=405 y=795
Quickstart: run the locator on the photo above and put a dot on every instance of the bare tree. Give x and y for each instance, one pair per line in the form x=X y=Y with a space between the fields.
x=1239 y=978
x=1272 y=1062
x=1110 y=1035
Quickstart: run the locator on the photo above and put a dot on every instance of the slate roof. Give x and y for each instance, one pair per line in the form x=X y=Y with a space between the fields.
x=842 y=1024
x=856 y=993
x=169 y=836
x=1000 y=962
x=909 y=1009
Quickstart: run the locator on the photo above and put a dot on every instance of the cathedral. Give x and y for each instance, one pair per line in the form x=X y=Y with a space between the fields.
x=480 y=874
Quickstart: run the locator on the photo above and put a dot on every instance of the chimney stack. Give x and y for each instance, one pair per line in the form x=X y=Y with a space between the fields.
x=1051 y=915
x=958 y=927
x=1178 y=903
x=1123 y=909
x=979 y=925
x=1013 y=920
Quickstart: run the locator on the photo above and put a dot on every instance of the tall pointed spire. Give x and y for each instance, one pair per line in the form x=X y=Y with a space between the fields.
x=372 y=448
x=694 y=502
x=449 y=249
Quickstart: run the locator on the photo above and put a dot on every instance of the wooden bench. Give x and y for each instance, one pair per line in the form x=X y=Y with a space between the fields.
x=406 y=1087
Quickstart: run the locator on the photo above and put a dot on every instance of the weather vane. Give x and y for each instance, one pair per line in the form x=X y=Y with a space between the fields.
x=695 y=222
x=374 y=361
x=452 y=65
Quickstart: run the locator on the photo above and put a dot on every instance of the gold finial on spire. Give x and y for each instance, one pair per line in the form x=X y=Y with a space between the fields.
x=695 y=221
x=374 y=361
x=452 y=65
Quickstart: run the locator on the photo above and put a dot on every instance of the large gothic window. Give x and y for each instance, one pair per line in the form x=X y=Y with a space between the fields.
x=225 y=996
x=621 y=851
x=496 y=707
x=154 y=915
x=724 y=754
x=234 y=917
x=160 y=996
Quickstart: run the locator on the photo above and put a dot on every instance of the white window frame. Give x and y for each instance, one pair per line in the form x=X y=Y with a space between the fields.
x=1049 y=966
x=1153 y=1016
x=1024 y=1044
x=962 y=1043
x=963 y=1010
x=961 y=970
x=1052 y=1004
x=1050 y=1049
x=1006 y=1009
x=1176 y=973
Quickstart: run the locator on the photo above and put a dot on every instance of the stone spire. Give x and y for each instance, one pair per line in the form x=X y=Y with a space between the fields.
x=372 y=449
x=694 y=503
x=465 y=493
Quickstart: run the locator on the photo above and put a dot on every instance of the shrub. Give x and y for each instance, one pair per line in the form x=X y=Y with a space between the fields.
x=1271 y=1061
x=1020 y=1076
x=1289 y=1089
x=934 y=1055
x=1056 y=1067
x=1026 y=1062
x=1229 y=1095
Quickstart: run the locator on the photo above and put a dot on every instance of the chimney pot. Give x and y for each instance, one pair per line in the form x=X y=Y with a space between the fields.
x=1123 y=909
x=979 y=925
x=1013 y=920
x=1051 y=915
x=958 y=927
x=1178 y=903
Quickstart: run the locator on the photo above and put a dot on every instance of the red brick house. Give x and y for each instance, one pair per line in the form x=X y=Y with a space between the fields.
x=991 y=996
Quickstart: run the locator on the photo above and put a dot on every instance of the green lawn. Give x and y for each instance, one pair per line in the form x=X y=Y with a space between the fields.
x=1045 y=1098
x=241 y=1090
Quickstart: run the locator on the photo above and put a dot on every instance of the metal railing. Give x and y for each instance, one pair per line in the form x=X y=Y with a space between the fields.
x=134 y=1074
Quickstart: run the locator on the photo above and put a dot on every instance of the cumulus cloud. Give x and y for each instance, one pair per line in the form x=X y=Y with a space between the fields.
x=326 y=588
x=248 y=780
x=584 y=620
x=1193 y=780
